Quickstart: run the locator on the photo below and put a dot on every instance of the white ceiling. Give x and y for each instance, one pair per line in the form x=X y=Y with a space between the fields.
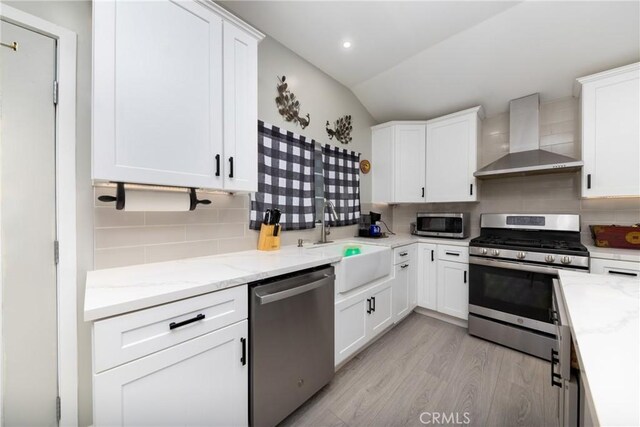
x=417 y=60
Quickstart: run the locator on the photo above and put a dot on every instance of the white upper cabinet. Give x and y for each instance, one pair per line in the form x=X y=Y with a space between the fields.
x=451 y=156
x=611 y=132
x=240 y=109
x=398 y=162
x=161 y=91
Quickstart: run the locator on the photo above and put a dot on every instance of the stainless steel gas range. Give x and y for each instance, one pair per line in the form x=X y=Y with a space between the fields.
x=512 y=265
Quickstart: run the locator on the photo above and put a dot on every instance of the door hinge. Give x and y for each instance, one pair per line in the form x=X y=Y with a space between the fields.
x=56 y=251
x=55 y=92
x=58 y=408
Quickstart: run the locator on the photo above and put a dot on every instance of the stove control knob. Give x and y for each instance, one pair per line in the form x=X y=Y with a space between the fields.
x=549 y=258
x=565 y=259
x=495 y=252
x=484 y=251
x=521 y=255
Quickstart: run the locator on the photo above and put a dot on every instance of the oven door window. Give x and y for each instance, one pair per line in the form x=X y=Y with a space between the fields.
x=521 y=293
x=440 y=224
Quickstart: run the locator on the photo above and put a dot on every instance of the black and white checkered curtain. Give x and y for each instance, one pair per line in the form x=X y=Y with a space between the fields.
x=342 y=183
x=285 y=178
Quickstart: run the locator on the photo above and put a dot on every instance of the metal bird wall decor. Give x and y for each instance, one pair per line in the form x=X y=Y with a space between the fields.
x=341 y=129
x=289 y=106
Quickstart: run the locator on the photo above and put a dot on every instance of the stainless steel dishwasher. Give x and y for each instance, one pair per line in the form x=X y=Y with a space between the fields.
x=291 y=342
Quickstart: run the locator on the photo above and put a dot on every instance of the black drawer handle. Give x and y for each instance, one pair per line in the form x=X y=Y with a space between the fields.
x=554 y=376
x=588 y=181
x=422 y=191
x=174 y=325
x=432 y=255
x=369 y=306
x=217 y=164
x=404 y=253
x=373 y=302
x=231 y=167
x=452 y=253
x=623 y=273
x=471 y=189
x=243 y=358
x=404 y=266
x=465 y=276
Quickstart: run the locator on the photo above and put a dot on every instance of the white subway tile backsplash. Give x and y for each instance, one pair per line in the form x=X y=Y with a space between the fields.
x=215 y=231
x=173 y=251
x=108 y=258
x=110 y=217
x=137 y=236
x=199 y=216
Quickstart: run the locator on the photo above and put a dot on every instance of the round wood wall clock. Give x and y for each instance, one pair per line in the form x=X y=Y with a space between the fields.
x=365 y=166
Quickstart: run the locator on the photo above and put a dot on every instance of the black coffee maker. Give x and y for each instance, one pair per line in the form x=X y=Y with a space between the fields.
x=368 y=225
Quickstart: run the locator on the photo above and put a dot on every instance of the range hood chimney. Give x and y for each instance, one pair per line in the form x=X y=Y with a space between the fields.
x=525 y=156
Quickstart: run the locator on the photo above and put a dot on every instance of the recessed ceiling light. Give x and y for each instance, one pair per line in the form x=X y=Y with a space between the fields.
x=346 y=45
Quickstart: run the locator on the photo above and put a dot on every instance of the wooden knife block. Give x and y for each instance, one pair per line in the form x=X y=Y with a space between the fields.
x=267 y=241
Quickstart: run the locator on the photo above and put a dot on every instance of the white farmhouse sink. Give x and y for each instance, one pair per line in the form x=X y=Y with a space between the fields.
x=372 y=263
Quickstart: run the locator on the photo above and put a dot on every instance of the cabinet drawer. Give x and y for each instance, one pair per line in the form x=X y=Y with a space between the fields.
x=453 y=253
x=124 y=338
x=615 y=267
x=404 y=253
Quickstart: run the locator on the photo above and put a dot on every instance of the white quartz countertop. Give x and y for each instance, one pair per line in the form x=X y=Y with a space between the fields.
x=115 y=291
x=604 y=318
x=614 y=253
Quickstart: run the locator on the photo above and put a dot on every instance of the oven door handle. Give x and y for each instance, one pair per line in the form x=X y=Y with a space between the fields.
x=513 y=265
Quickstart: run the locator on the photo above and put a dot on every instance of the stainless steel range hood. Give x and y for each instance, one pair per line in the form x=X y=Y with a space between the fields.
x=525 y=156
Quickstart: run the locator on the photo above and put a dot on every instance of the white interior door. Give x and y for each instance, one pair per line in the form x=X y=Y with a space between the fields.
x=28 y=228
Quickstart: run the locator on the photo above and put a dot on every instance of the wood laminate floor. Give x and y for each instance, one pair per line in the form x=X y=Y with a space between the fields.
x=424 y=366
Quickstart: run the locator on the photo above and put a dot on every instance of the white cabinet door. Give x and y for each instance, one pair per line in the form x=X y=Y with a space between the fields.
x=240 y=109
x=401 y=291
x=611 y=133
x=157 y=93
x=451 y=157
x=199 y=382
x=382 y=308
x=351 y=326
x=382 y=165
x=453 y=289
x=412 y=274
x=428 y=276
x=409 y=163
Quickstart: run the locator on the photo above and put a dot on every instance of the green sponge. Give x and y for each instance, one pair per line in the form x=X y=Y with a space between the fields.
x=351 y=250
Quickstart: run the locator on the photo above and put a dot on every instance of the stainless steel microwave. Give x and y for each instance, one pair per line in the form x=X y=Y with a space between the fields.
x=434 y=224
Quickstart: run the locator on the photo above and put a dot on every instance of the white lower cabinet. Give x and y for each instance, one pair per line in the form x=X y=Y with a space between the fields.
x=453 y=289
x=428 y=276
x=615 y=267
x=188 y=367
x=359 y=318
x=443 y=279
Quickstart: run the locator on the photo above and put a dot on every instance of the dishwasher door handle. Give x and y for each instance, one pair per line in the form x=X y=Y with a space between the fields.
x=297 y=290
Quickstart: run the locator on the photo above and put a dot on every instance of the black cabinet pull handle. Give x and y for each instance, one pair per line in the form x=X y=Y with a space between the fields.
x=369 y=306
x=465 y=276
x=422 y=191
x=231 y=167
x=373 y=301
x=217 y=164
x=174 y=325
x=243 y=358
x=452 y=253
x=471 y=189
x=554 y=376
x=432 y=255
x=404 y=253
x=588 y=180
x=623 y=273
x=404 y=266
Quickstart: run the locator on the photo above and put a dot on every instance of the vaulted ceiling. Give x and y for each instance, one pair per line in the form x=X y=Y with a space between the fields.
x=421 y=59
